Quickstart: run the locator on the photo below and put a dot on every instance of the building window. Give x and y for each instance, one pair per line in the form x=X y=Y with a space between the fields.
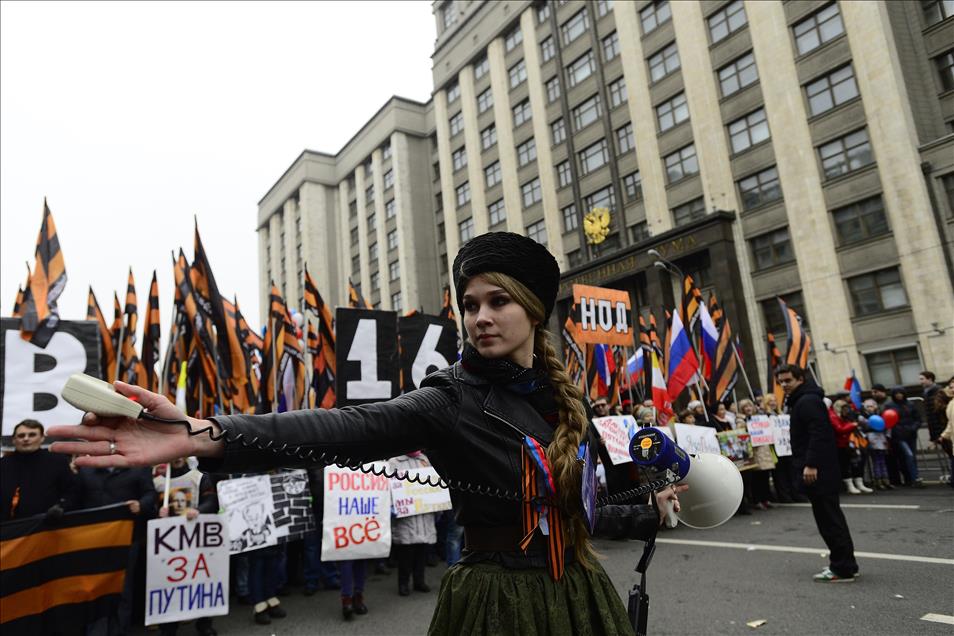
x=531 y=192
x=760 y=188
x=726 y=21
x=485 y=101
x=747 y=131
x=639 y=232
x=390 y=210
x=459 y=158
x=571 y=220
x=353 y=209
x=877 y=292
x=369 y=193
x=609 y=244
x=897 y=367
x=580 y=68
x=463 y=193
x=526 y=152
x=564 y=174
x=672 y=112
x=497 y=212
x=392 y=240
x=543 y=13
x=575 y=27
x=453 y=93
x=449 y=14
x=456 y=124
x=575 y=258
x=538 y=232
x=372 y=221
x=772 y=312
x=664 y=62
x=617 y=92
x=466 y=230
x=388 y=179
x=818 y=28
x=587 y=112
x=396 y=302
x=831 y=90
x=681 y=163
x=593 y=157
x=488 y=137
x=610 y=46
x=356 y=266
x=354 y=236
x=385 y=152
x=947 y=182
x=375 y=281
x=373 y=252
x=603 y=7
x=846 y=154
x=553 y=89
x=513 y=38
x=772 y=248
x=518 y=74
x=624 y=139
x=860 y=221
x=558 y=131
x=633 y=186
x=547 y=50
x=602 y=198
x=394 y=270
x=492 y=174
x=481 y=67
x=655 y=14
x=936 y=10
x=688 y=212
x=521 y=113
x=945 y=69
x=738 y=74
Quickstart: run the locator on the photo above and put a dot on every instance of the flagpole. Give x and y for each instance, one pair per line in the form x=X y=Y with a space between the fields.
x=274 y=372
x=119 y=349
x=745 y=375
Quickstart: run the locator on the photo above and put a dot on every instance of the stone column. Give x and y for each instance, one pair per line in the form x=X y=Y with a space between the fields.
x=364 y=237
x=503 y=116
x=404 y=220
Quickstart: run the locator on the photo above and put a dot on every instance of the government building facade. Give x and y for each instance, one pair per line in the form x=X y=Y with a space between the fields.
x=802 y=150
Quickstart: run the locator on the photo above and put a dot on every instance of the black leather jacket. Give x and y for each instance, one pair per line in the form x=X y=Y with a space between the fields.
x=471 y=429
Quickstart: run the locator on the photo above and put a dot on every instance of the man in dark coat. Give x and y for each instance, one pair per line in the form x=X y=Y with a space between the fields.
x=933 y=417
x=33 y=480
x=815 y=458
x=904 y=435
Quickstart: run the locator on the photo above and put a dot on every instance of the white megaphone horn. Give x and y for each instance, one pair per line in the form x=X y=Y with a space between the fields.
x=715 y=484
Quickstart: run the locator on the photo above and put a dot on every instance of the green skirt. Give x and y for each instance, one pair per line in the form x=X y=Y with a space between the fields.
x=487 y=598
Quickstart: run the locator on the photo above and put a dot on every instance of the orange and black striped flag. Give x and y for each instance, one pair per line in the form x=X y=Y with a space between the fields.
x=106 y=338
x=273 y=350
x=18 y=303
x=150 y=336
x=64 y=574
x=691 y=299
x=201 y=348
x=774 y=359
x=355 y=299
x=447 y=307
x=252 y=344
x=241 y=401
x=130 y=367
x=725 y=367
x=574 y=358
x=656 y=344
x=39 y=315
x=324 y=365
x=799 y=343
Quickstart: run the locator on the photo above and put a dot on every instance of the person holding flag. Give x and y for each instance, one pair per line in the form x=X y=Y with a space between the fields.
x=505 y=414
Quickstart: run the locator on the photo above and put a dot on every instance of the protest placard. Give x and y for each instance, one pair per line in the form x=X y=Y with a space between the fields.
x=761 y=430
x=603 y=315
x=411 y=498
x=616 y=431
x=737 y=446
x=783 y=435
x=187 y=568
x=357 y=515
x=697 y=439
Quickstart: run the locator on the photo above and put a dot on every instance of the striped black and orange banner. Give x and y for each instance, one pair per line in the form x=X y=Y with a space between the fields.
x=150 y=336
x=774 y=359
x=355 y=299
x=725 y=369
x=55 y=576
x=691 y=299
x=532 y=510
x=799 y=343
x=39 y=314
x=93 y=312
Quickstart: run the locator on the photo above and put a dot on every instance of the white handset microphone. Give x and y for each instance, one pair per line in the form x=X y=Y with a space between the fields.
x=92 y=395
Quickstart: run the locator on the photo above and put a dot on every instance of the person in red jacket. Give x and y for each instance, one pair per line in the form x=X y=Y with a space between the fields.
x=851 y=470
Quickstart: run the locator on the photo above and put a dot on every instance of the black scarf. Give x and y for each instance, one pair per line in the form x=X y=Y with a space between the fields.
x=533 y=382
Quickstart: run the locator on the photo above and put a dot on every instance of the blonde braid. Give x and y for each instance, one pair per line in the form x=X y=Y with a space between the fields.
x=562 y=451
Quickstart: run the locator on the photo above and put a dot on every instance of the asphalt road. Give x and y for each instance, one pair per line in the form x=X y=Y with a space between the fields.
x=752 y=568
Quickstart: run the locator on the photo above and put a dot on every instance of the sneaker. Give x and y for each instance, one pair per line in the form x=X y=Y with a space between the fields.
x=262 y=618
x=827 y=576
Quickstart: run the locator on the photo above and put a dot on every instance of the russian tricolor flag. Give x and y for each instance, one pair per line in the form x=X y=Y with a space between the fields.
x=605 y=367
x=683 y=364
x=710 y=341
x=854 y=390
x=660 y=394
x=634 y=366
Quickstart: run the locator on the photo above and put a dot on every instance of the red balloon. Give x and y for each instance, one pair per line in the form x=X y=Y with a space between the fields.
x=890 y=418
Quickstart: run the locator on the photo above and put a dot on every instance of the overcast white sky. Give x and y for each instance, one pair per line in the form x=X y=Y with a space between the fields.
x=133 y=117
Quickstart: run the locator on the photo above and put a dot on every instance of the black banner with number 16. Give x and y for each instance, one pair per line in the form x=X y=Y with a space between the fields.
x=367 y=356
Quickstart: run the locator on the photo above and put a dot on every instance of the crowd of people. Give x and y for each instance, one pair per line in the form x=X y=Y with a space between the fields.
x=36 y=482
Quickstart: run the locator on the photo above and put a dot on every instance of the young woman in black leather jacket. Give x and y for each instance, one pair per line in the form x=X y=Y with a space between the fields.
x=478 y=422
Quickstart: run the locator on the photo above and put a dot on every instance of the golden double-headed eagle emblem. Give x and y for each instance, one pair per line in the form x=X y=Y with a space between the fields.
x=596 y=225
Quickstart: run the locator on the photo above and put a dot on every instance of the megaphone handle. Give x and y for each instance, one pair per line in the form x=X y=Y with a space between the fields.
x=671 y=520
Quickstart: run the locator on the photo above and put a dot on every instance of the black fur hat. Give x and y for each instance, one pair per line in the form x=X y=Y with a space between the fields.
x=507 y=253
